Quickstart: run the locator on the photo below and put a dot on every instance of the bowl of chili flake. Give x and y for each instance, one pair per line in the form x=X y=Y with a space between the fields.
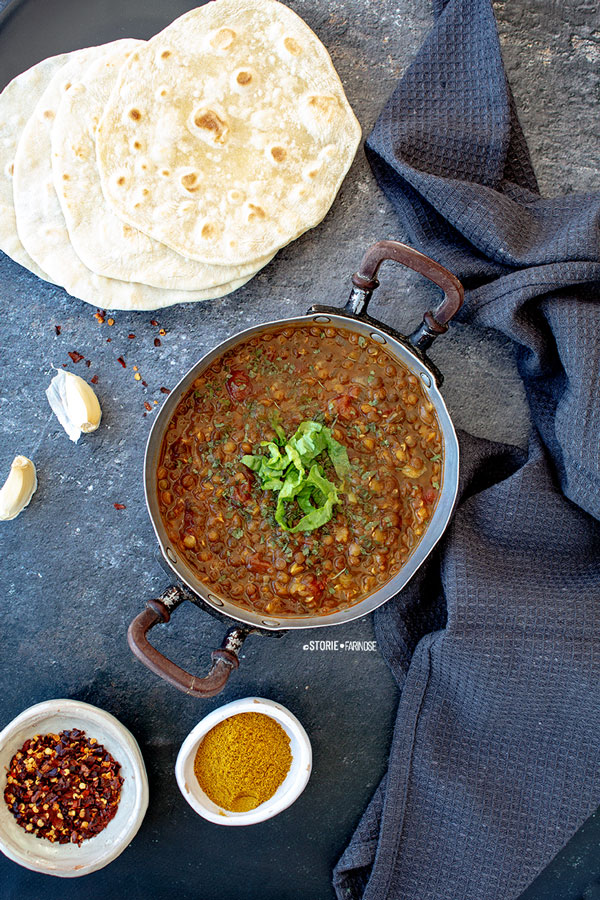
x=73 y=788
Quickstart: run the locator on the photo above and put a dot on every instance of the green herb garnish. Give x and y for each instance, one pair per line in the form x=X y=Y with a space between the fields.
x=291 y=470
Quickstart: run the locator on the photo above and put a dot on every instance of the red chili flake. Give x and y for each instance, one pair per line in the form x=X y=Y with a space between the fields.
x=58 y=329
x=119 y=506
x=147 y=406
x=145 y=383
x=64 y=365
x=157 y=342
x=144 y=415
x=88 y=362
x=122 y=361
x=75 y=356
x=165 y=390
x=63 y=787
x=131 y=336
x=153 y=322
x=94 y=379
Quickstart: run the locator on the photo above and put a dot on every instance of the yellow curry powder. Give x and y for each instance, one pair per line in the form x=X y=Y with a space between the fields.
x=242 y=761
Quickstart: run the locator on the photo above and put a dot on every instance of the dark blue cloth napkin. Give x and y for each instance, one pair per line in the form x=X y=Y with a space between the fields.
x=495 y=644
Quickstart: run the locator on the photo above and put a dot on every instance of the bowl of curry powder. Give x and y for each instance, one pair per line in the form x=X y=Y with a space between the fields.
x=244 y=763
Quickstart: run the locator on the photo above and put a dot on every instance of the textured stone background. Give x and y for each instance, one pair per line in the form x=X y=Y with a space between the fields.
x=75 y=570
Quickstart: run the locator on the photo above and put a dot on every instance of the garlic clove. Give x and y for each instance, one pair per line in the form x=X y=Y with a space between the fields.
x=74 y=403
x=18 y=489
x=83 y=407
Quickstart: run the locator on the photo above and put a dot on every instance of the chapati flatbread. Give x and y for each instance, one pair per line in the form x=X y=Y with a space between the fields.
x=17 y=102
x=102 y=241
x=41 y=225
x=228 y=134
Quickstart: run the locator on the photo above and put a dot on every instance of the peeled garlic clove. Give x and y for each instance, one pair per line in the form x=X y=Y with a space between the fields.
x=18 y=489
x=74 y=403
x=83 y=407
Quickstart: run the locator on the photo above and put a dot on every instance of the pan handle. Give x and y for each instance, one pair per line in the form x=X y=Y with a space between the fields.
x=434 y=322
x=225 y=659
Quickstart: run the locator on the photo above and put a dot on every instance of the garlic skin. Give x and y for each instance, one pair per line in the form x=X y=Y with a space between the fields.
x=18 y=489
x=74 y=404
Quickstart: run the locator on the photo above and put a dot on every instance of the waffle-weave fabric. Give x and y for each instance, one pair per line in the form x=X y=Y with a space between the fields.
x=495 y=644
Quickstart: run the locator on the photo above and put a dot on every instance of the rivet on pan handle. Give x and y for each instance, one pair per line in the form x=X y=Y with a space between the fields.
x=225 y=659
x=365 y=281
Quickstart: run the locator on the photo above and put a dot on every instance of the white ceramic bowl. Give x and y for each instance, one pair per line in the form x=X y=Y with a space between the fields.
x=286 y=793
x=69 y=860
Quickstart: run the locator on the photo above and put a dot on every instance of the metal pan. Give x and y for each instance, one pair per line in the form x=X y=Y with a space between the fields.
x=408 y=350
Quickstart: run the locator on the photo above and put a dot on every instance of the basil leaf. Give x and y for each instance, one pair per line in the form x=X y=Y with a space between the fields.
x=284 y=470
x=338 y=456
x=252 y=462
x=314 y=487
x=272 y=484
x=279 y=432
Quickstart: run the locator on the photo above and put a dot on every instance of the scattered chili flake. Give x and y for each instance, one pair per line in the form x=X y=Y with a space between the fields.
x=165 y=390
x=157 y=342
x=58 y=329
x=147 y=406
x=75 y=356
x=119 y=506
x=122 y=361
x=153 y=322
x=145 y=383
x=88 y=362
x=94 y=379
x=108 y=340
x=162 y=332
x=63 y=787
x=144 y=415
x=110 y=321
x=64 y=365
x=137 y=376
x=131 y=336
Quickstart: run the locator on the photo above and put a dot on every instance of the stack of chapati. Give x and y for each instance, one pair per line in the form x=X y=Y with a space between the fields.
x=141 y=174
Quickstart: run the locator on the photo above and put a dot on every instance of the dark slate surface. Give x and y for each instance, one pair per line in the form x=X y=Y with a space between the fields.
x=76 y=570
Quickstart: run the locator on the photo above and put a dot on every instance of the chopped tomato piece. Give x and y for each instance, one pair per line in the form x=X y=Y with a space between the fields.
x=316 y=586
x=239 y=386
x=429 y=496
x=258 y=565
x=344 y=407
x=242 y=490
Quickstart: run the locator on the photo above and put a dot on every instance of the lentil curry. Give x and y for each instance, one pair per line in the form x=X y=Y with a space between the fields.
x=286 y=382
